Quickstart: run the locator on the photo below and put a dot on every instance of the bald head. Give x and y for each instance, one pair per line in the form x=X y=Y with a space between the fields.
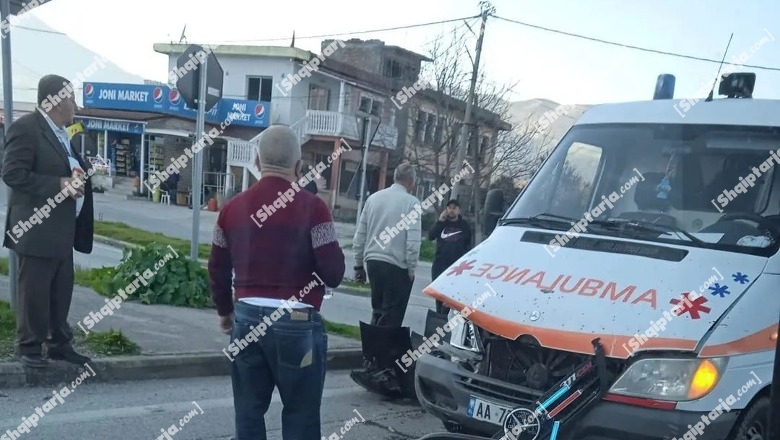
x=279 y=149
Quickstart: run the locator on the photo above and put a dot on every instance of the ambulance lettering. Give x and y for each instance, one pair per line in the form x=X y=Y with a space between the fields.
x=565 y=284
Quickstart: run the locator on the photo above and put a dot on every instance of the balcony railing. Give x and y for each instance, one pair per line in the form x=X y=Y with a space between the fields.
x=240 y=153
x=346 y=125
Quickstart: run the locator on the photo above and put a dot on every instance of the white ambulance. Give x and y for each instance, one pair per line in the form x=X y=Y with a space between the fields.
x=636 y=282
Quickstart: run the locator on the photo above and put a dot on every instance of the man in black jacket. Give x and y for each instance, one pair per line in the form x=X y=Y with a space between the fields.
x=49 y=215
x=453 y=239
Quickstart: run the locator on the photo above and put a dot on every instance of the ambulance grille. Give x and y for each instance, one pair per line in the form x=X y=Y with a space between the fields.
x=532 y=366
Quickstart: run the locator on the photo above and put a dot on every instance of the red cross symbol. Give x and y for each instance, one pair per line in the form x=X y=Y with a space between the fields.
x=458 y=270
x=696 y=306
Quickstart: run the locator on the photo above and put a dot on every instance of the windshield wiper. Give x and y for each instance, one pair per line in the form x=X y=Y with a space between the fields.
x=645 y=226
x=545 y=220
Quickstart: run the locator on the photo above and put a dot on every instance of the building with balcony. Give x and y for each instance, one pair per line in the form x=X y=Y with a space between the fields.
x=326 y=107
x=429 y=123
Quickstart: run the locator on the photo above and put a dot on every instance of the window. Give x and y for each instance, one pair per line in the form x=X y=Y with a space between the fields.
x=376 y=108
x=663 y=176
x=259 y=88
x=365 y=104
x=455 y=135
x=370 y=106
x=430 y=126
x=393 y=69
x=419 y=126
x=483 y=147
x=424 y=187
x=440 y=122
x=319 y=98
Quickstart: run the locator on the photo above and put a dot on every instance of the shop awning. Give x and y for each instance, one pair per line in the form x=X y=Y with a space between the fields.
x=167 y=132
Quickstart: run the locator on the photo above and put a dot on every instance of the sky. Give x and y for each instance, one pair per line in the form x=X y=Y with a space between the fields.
x=543 y=64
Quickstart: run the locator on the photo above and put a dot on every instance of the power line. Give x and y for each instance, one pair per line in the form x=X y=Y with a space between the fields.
x=360 y=32
x=40 y=30
x=643 y=49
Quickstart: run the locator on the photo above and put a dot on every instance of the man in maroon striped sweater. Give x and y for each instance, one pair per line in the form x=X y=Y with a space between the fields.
x=282 y=244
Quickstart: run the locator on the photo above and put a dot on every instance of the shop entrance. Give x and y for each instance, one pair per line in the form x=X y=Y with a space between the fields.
x=118 y=143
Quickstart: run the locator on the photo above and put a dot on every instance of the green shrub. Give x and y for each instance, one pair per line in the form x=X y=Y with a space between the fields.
x=7 y=329
x=179 y=281
x=110 y=343
x=427 y=250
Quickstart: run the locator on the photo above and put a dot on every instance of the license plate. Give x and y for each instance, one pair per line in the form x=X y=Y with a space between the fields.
x=487 y=411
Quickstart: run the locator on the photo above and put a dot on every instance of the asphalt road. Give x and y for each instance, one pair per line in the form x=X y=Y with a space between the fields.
x=139 y=410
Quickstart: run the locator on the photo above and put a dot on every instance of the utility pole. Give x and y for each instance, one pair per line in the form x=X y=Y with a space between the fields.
x=8 y=106
x=197 y=166
x=467 y=128
x=366 y=141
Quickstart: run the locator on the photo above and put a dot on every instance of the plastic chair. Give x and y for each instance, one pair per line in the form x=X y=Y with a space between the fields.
x=165 y=198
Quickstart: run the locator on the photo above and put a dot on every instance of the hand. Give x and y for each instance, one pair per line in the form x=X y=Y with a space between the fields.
x=226 y=323
x=411 y=277
x=360 y=275
x=443 y=216
x=67 y=182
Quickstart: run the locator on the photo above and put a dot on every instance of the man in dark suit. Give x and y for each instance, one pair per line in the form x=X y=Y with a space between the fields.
x=38 y=164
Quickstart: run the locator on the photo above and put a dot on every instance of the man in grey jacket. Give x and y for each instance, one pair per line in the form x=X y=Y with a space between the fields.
x=387 y=240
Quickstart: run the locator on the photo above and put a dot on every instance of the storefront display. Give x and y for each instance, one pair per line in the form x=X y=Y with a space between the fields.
x=119 y=143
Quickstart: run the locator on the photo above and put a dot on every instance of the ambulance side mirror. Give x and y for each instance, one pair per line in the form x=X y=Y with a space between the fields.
x=494 y=209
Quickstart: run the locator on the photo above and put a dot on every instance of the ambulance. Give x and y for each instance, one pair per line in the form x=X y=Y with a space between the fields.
x=636 y=281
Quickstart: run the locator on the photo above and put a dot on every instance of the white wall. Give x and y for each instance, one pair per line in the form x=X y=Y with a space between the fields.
x=238 y=68
x=291 y=108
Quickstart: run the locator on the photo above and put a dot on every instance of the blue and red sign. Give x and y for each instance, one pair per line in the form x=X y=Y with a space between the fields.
x=163 y=99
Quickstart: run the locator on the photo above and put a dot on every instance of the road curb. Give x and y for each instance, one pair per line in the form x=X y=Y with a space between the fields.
x=114 y=242
x=132 y=368
x=353 y=291
x=123 y=244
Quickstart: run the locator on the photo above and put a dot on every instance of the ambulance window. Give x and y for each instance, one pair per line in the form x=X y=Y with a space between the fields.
x=576 y=180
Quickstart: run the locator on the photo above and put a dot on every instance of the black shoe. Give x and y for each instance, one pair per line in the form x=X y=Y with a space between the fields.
x=370 y=366
x=69 y=356
x=34 y=361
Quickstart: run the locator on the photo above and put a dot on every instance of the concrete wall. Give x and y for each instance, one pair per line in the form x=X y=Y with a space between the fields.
x=237 y=70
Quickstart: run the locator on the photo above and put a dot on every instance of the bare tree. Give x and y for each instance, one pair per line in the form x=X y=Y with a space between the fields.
x=515 y=149
x=434 y=117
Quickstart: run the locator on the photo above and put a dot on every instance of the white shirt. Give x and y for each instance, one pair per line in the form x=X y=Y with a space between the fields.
x=62 y=134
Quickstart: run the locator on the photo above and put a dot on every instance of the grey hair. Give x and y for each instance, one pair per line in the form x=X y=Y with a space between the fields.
x=278 y=147
x=404 y=173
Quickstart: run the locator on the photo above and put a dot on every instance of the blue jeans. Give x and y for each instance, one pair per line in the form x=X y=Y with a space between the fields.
x=290 y=356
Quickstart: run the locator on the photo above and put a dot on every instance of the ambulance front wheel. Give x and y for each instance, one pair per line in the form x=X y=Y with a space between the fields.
x=753 y=424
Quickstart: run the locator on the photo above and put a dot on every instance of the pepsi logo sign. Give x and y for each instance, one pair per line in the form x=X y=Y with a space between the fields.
x=174 y=97
x=259 y=110
x=157 y=95
x=89 y=90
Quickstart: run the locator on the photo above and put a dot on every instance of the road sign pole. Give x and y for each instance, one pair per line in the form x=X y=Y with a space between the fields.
x=8 y=108
x=197 y=169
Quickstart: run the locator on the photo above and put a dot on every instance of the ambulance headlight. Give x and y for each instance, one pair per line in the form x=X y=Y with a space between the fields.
x=463 y=334
x=670 y=379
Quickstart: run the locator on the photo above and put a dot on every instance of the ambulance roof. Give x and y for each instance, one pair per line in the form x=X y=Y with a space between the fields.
x=721 y=111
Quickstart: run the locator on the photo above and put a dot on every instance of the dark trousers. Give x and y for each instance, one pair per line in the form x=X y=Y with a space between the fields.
x=390 y=291
x=291 y=356
x=45 y=292
x=437 y=268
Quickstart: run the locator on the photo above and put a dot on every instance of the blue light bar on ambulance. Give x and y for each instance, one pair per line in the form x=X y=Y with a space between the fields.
x=664 y=87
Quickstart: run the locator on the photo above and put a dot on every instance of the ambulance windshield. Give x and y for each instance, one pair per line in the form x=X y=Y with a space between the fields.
x=702 y=185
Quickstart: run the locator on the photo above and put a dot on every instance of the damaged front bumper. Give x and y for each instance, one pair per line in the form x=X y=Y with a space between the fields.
x=446 y=390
